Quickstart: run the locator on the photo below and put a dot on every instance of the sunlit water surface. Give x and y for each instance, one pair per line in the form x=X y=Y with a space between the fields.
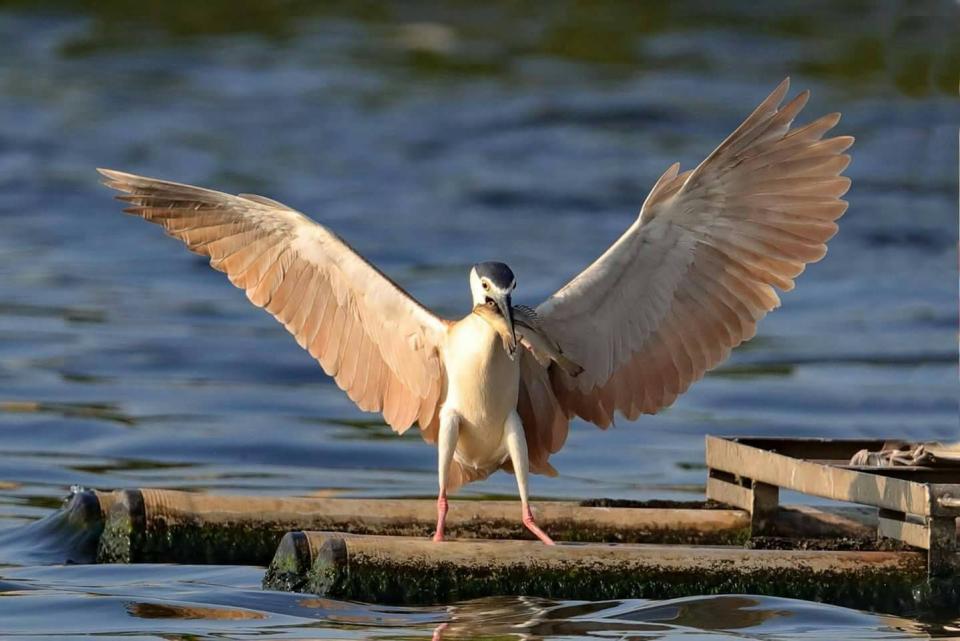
x=430 y=142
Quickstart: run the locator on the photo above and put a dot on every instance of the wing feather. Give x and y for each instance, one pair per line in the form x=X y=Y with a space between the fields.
x=691 y=278
x=379 y=344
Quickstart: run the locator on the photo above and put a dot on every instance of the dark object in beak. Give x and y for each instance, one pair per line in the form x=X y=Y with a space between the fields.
x=506 y=308
x=503 y=307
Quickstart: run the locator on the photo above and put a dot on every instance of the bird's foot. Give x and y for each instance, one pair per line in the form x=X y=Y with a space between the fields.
x=531 y=525
x=441 y=517
x=438 y=632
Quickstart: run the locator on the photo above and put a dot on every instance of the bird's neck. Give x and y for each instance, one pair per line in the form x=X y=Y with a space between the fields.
x=495 y=320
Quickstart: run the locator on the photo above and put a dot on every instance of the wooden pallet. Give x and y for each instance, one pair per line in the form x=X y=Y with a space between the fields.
x=917 y=505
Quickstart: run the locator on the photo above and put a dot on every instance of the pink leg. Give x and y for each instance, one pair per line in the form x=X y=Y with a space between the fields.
x=438 y=632
x=441 y=515
x=531 y=525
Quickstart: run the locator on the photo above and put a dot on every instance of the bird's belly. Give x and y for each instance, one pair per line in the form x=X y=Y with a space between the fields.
x=482 y=387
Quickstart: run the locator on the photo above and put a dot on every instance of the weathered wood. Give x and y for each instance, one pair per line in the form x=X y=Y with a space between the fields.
x=917 y=504
x=765 y=501
x=816 y=479
x=760 y=500
x=170 y=526
x=723 y=488
x=915 y=534
x=943 y=559
x=408 y=570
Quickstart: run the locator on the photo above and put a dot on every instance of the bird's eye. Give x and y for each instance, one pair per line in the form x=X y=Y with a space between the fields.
x=486 y=285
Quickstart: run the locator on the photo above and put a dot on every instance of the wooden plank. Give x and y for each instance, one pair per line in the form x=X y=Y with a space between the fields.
x=818 y=480
x=914 y=534
x=763 y=511
x=761 y=500
x=408 y=570
x=728 y=493
x=944 y=556
x=170 y=526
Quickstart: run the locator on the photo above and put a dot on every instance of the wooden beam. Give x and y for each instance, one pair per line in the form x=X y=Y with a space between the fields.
x=818 y=480
x=169 y=526
x=764 y=506
x=729 y=493
x=915 y=534
x=944 y=557
x=760 y=500
x=414 y=570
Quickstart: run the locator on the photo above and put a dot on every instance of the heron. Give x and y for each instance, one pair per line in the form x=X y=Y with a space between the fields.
x=687 y=282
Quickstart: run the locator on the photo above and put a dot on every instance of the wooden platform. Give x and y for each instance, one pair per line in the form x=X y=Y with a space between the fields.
x=391 y=569
x=378 y=550
x=168 y=526
x=918 y=505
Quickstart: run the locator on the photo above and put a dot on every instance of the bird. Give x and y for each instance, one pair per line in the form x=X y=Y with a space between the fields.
x=687 y=281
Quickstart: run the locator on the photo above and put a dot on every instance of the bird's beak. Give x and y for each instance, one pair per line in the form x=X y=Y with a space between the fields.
x=506 y=309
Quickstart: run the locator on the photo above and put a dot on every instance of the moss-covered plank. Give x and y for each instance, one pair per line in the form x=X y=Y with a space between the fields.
x=181 y=527
x=417 y=571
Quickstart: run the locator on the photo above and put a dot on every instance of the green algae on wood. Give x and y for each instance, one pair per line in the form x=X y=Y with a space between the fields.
x=417 y=571
x=151 y=525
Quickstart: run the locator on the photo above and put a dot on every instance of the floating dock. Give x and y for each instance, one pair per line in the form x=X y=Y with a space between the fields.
x=896 y=552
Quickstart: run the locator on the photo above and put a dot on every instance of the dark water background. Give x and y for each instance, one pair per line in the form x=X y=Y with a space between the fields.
x=432 y=137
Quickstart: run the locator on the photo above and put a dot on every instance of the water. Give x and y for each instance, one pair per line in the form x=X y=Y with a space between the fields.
x=432 y=138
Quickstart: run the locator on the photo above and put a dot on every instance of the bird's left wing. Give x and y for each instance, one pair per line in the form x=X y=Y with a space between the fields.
x=690 y=279
x=379 y=344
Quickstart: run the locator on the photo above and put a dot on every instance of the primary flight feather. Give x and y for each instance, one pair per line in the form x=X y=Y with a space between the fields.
x=686 y=283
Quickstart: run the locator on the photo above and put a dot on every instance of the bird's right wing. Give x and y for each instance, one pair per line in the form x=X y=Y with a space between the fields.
x=690 y=279
x=378 y=343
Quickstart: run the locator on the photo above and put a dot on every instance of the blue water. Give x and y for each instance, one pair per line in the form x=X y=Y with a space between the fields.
x=432 y=138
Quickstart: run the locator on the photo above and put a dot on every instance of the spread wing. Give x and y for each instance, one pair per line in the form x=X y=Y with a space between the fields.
x=690 y=279
x=373 y=338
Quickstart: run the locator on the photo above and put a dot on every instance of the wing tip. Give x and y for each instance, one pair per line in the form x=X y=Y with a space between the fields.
x=776 y=96
x=114 y=179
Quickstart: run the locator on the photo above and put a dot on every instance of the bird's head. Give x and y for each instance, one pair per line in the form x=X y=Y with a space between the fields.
x=492 y=285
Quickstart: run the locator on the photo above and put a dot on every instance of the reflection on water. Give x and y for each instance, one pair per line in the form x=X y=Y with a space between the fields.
x=164 y=601
x=431 y=137
x=168 y=611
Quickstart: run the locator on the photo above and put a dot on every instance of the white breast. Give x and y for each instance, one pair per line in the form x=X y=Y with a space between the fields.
x=482 y=386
